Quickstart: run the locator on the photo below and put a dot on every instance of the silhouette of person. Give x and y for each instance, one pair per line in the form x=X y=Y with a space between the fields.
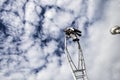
x=73 y=33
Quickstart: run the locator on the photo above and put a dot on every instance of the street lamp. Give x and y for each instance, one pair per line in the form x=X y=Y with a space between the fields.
x=115 y=30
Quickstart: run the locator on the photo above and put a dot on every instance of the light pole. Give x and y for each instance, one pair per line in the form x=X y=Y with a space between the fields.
x=79 y=69
x=115 y=30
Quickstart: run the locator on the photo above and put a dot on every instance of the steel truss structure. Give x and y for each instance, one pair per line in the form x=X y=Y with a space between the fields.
x=79 y=70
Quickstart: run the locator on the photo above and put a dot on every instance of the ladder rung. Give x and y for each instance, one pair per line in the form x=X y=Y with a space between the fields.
x=80 y=76
x=78 y=70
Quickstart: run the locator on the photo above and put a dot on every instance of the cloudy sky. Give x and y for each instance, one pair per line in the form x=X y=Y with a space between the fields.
x=32 y=38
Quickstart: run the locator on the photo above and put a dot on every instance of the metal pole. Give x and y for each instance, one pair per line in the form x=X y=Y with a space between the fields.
x=79 y=71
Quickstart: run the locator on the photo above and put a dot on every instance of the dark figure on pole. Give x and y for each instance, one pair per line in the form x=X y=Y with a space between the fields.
x=73 y=33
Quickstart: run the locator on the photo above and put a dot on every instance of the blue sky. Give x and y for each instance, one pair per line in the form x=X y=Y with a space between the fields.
x=32 y=38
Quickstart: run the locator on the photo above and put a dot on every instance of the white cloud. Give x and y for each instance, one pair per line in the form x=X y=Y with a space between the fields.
x=46 y=2
x=50 y=14
x=30 y=13
x=63 y=19
x=104 y=46
x=101 y=49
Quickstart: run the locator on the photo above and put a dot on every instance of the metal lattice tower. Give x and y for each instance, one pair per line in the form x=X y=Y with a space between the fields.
x=79 y=70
